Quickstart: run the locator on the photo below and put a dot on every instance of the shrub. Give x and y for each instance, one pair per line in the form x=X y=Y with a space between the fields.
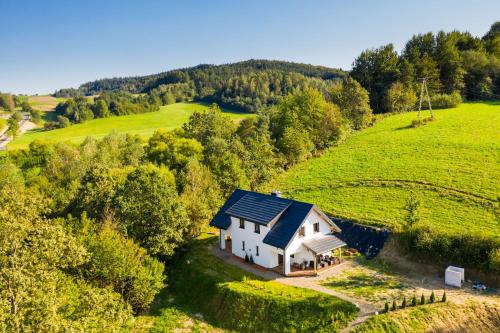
x=403 y=304
x=394 y=306
x=63 y=121
x=422 y=299
x=432 y=298
x=251 y=259
x=247 y=259
x=494 y=260
x=444 y=101
x=443 y=299
x=386 y=307
x=414 y=301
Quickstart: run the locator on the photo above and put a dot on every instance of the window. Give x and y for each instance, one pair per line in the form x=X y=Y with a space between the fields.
x=256 y=251
x=243 y=245
x=242 y=224
x=316 y=227
x=302 y=231
x=292 y=255
x=257 y=228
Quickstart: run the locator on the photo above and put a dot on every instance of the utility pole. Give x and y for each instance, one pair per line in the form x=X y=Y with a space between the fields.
x=422 y=88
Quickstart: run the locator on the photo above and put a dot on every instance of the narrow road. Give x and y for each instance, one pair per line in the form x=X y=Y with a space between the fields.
x=366 y=310
x=24 y=125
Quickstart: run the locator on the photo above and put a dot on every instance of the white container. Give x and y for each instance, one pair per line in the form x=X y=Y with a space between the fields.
x=454 y=276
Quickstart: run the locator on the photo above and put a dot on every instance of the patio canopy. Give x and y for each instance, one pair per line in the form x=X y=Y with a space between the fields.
x=322 y=244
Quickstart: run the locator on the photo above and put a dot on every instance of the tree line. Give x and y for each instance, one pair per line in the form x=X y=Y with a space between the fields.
x=457 y=65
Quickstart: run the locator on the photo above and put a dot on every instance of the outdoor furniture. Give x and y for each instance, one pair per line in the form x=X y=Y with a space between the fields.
x=311 y=264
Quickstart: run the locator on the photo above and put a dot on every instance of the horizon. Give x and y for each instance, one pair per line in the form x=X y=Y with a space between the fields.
x=50 y=45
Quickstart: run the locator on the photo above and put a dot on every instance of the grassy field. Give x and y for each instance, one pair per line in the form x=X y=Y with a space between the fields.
x=226 y=297
x=168 y=117
x=452 y=164
x=44 y=102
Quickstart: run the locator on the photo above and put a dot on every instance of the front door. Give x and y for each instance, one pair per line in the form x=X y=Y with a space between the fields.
x=280 y=259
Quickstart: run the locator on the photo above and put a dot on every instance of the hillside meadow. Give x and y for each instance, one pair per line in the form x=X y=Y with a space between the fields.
x=144 y=124
x=452 y=164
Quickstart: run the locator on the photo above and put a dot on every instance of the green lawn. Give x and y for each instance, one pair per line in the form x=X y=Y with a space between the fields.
x=453 y=164
x=168 y=117
x=226 y=297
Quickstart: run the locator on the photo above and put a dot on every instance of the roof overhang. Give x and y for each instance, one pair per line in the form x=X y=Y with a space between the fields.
x=324 y=243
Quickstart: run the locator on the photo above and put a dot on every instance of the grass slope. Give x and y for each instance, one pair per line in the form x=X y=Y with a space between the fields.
x=451 y=163
x=168 y=117
x=232 y=299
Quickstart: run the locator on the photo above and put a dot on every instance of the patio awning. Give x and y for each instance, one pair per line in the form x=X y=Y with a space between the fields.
x=322 y=244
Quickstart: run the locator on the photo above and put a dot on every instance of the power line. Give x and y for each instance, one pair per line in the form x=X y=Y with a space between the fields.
x=424 y=87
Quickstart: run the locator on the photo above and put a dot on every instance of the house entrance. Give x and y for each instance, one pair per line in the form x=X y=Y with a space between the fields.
x=280 y=259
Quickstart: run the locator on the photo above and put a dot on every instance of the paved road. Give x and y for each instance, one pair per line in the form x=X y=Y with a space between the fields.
x=366 y=310
x=24 y=125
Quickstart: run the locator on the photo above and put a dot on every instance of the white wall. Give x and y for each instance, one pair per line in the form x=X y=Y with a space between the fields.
x=268 y=255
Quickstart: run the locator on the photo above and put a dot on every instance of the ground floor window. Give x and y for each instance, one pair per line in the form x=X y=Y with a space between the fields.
x=256 y=251
x=243 y=245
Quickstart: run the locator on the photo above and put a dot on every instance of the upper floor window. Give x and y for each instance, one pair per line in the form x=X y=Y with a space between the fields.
x=316 y=227
x=242 y=224
x=302 y=231
x=257 y=228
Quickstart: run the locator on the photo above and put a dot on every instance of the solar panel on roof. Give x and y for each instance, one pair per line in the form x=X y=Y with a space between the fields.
x=258 y=208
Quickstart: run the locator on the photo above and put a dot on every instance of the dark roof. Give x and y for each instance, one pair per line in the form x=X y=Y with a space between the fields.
x=324 y=243
x=258 y=208
x=262 y=208
x=221 y=220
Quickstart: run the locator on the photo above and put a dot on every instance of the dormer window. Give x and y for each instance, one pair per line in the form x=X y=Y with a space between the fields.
x=302 y=231
x=257 y=228
x=242 y=224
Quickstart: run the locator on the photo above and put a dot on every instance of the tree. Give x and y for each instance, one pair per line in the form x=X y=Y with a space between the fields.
x=150 y=211
x=422 y=299
x=26 y=107
x=13 y=127
x=394 y=306
x=403 y=304
x=443 y=298
x=119 y=263
x=414 y=301
x=376 y=70
x=432 y=299
x=35 y=116
x=353 y=101
x=100 y=109
x=400 y=98
x=200 y=195
x=165 y=148
x=412 y=206
x=386 y=307
x=295 y=145
x=209 y=124
x=7 y=102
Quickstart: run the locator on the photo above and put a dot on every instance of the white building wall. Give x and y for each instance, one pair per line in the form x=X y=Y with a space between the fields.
x=268 y=255
x=295 y=247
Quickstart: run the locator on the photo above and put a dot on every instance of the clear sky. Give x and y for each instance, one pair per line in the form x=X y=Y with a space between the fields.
x=47 y=45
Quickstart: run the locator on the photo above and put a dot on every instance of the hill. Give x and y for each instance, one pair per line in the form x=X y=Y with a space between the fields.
x=451 y=163
x=144 y=124
x=246 y=85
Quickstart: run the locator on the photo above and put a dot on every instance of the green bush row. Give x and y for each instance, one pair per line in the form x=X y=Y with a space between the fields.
x=446 y=101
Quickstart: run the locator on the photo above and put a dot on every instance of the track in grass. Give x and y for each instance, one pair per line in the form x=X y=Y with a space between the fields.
x=144 y=124
x=453 y=164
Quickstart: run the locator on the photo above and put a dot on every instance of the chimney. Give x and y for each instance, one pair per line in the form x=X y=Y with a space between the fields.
x=276 y=193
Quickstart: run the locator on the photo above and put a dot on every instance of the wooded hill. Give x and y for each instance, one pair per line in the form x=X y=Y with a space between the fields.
x=246 y=85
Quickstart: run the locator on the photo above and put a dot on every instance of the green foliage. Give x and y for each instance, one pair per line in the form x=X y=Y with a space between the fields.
x=412 y=206
x=7 y=102
x=119 y=263
x=432 y=298
x=400 y=98
x=444 y=101
x=209 y=124
x=386 y=307
x=414 y=301
x=13 y=127
x=353 y=101
x=35 y=115
x=149 y=209
x=422 y=299
x=403 y=304
x=394 y=306
x=443 y=298
x=494 y=260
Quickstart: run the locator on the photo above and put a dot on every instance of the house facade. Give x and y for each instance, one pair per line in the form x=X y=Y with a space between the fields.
x=277 y=233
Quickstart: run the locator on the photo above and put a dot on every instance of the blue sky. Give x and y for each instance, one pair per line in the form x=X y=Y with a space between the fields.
x=47 y=45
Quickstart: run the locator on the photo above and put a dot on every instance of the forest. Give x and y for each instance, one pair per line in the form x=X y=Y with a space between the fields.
x=97 y=223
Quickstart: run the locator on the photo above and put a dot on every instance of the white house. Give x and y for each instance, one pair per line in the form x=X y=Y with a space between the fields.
x=278 y=233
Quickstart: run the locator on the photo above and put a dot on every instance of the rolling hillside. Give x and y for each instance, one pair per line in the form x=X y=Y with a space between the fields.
x=451 y=163
x=169 y=117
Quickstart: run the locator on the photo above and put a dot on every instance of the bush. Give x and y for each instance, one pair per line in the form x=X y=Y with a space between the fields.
x=444 y=101
x=414 y=301
x=432 y=299
x=247 y=259
x=386 y=307
x=422 y=299
x=63 y=121
x=494 y=260
x=403 y=304
x=443 y=299
x=394 y=306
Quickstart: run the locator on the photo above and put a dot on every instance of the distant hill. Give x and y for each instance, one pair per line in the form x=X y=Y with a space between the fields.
x=245 y=85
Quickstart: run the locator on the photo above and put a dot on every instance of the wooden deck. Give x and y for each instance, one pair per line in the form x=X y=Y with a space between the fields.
x=294 y=271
